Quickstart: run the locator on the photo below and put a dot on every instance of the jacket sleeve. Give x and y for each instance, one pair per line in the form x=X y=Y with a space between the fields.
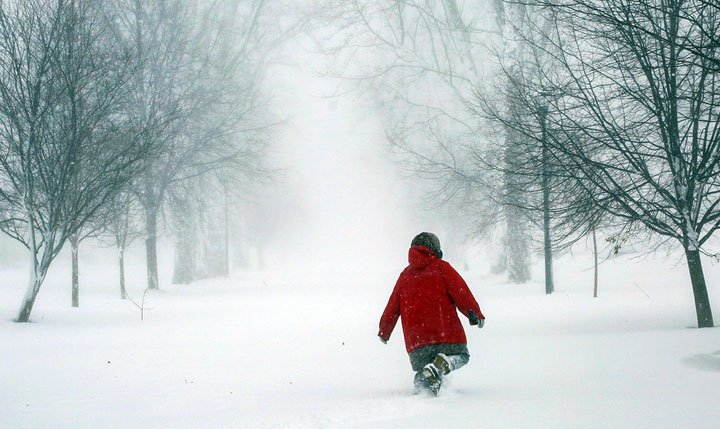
x=390 y=316
x=460 y=293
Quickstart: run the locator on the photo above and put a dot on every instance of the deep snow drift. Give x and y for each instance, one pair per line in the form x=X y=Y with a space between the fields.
x=279 y=350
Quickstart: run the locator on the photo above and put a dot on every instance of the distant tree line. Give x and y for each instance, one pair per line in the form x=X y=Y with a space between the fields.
x=551 y=119
x=116 y=115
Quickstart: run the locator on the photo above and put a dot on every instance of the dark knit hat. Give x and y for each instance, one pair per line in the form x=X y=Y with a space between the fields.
x=429 y=240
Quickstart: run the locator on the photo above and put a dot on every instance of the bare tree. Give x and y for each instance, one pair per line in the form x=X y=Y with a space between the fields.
x=639 y=124
x=536 y=183
x=201 y=204
x=422 y=60
x=118 y=224
x=61 y=155
x=195 y=91
x=199 y=221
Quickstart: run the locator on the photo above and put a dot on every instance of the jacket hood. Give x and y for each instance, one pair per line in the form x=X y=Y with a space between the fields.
x=420 y=257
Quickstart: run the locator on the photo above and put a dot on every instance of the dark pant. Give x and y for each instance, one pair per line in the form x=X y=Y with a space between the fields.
x=458 y=354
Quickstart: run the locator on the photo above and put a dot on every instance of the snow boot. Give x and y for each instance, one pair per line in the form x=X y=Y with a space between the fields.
x=420 y=383
x=443 y=364
x=432 y=378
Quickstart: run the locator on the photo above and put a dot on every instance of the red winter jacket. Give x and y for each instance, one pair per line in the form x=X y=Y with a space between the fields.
x=426 y=295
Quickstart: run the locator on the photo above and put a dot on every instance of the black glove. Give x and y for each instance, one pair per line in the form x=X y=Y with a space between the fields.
x=382 y=340
x=475 y=320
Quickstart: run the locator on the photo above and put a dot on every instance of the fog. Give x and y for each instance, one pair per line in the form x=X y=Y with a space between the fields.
x=318 y=138
x=343 y=205
x=337 y=203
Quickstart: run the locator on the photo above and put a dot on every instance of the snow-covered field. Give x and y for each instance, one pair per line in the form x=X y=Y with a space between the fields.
x=284 y=349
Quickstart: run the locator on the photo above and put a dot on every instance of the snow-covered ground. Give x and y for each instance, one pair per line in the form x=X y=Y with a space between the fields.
x=295 y=346
x=285 y=350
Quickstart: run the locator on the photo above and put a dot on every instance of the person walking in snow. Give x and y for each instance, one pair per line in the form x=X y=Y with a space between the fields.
x=426 y=297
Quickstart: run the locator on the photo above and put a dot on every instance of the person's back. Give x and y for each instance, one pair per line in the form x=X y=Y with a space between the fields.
x=426 y=297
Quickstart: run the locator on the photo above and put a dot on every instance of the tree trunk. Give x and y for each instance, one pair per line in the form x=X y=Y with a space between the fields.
x=35 y=281
x=517 y=247
x=227 y=237
x=518 y=243
x=213 y=260
x=549 y=285
x=74 y=245
x=151 y=250
x=121 y=257
x=595 y=257
x=37 y=275
x=454 y=17
x=697 y=278
x=184 y=266
x=499 y=264
x=29 y=299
